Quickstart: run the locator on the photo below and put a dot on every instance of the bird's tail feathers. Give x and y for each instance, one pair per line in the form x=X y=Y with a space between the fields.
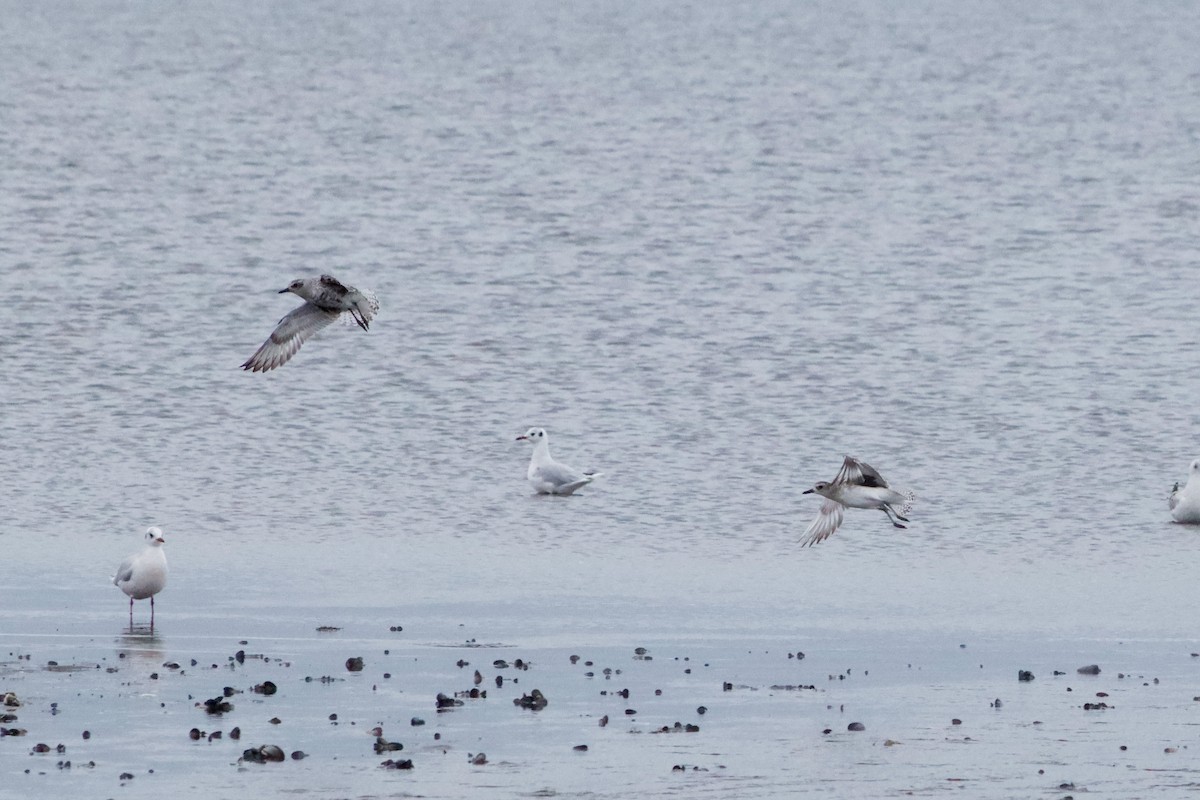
x=366 y=309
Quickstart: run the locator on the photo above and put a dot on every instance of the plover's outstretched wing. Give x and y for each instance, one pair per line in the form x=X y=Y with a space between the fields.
x=859 y=473
x=291 y=332
x=824 y=524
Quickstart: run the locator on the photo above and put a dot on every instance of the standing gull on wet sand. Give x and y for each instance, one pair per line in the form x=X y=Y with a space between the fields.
x=144 y=574
x=1185 y=503
x=326 y=299
x=547 y=475
x=856 y=485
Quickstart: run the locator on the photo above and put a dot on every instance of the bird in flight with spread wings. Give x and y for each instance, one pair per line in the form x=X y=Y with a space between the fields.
x=325 y=299
x=857 y=485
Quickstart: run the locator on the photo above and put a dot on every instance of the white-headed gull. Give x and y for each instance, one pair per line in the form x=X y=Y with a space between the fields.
x=857 y=485
x=326 y=299
x=547 y=475
x=1185 y=502
x=144 y=574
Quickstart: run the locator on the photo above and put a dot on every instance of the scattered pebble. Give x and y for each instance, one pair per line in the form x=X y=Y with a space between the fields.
x=535 y=701
x=354 y=664
x=263 y=754
x=856 y=726
x=1090 y=669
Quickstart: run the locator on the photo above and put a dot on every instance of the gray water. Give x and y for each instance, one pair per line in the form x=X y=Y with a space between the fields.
x=711 y=248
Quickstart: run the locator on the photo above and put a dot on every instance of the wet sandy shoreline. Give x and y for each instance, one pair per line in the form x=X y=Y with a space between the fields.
x=776 y=718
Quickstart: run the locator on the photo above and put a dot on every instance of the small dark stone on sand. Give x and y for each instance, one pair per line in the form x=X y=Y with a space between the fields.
x=479 y=759
x=856 y=726
x=1090 y=669
x=41 y=747
x=702 y=710
x=236 y=733
x=629 y=712
x=195 y=734
x=125 y=776
x=266 y=687
x=535 y=701
x=275 y=721
x=384 y=746
x=87 y=734
x=396 y=628
x=1024 y=676
x=387 y=676
x=229 y=691
x=214 y=735
x=354 y=664
x=500 y=663
x=403 y=764
x=447 y=702
x=499 y=681
x=1123 y=747
x=727 y=687
x=827 y=731
x=298 y=755
x=240 y=656
x=217 y=705
x=956 y=721
x=580 y=748
x=263 y=754
x=415 y=721
x=574 y=659
x=478 y=677
x=604 y=720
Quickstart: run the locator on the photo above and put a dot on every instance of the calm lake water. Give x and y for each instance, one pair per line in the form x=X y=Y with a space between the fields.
x=711 y=248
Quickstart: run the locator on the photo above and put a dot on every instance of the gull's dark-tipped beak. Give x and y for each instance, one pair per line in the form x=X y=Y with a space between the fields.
x=284 y=291
x=808 y=491
x=161 y=540
x=522 y=438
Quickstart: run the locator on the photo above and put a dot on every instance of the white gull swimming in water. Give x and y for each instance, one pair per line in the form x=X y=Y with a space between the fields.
x=547 y=475
x=857 y=485
x=1185 y=503
x=326 y=298
x=144 y=574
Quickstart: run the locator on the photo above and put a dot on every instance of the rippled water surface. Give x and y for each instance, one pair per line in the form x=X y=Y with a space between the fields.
x=711 y=248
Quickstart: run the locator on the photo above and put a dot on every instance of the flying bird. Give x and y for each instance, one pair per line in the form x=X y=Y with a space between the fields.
x=144 y=574
x=325 y=299
x=547 y=475
x=857 y=485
